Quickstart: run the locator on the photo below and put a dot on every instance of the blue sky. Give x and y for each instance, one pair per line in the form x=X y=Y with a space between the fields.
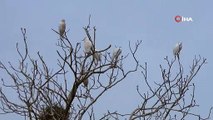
x=117 y=22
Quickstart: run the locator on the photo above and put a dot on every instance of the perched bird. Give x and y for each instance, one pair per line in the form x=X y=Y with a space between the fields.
x=115 y=54
x=87 y=45
x=97 y=56
x=62 y=28
x=177 y=49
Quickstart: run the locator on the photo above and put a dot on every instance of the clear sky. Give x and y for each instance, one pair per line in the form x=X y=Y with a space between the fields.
x=117 y=22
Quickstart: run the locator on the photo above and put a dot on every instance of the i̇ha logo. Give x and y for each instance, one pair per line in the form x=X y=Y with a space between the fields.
x=179 y=18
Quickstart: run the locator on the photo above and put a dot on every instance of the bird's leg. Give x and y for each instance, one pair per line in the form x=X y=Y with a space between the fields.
x=178 y=57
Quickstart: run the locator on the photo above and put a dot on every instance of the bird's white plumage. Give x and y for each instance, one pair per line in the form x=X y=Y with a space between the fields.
x=62 y=27
x=87 y=45
x=115 y=54
x=97 y=56
x=177 y=49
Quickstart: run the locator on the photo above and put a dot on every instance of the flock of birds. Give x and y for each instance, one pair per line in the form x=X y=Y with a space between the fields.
x=88 y=47
x=88 y=43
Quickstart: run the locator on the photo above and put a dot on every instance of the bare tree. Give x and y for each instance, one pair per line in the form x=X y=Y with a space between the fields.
x=171 y=99
x=174 y=97
x=82 y=78
x=43 y=91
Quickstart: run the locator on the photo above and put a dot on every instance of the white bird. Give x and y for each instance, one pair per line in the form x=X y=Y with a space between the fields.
x=177 y=49
x=62 y=28
x=87 y=45
x=115 y=54
x=97 y=56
